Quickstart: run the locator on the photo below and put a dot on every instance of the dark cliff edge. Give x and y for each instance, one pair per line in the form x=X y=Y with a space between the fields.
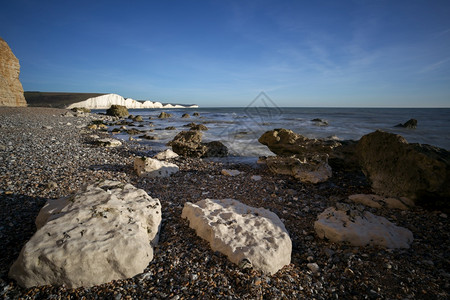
x=56 y=99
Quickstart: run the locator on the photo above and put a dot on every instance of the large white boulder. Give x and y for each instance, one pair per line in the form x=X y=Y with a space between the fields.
x=246 y=235
x=103 y=233
x=150 y=167
x=361 y=229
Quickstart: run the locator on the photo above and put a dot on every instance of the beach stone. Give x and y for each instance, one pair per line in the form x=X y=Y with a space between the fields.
x=398 y=169
x=11 y=90
x=104 y=232
x=215 y=149
x=138 y=119
x=166 y=154
x=377 y=201
x=245 y=234
x=344 y=224
x=150 y=167
x=117 y=111
x=108 y=142
x=256 y=177
x=411 y=124
x=313 y=170
x=170 y=128
x=196 y=114
x=231 y=173
x=185 y=116
x=164 y=115
x=319 y=122
x=188 y=144
x=284 y=142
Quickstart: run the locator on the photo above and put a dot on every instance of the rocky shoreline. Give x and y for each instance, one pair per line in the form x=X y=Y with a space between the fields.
x=48 y=154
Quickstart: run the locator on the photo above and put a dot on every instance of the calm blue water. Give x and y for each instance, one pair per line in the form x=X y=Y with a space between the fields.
x=239 y=128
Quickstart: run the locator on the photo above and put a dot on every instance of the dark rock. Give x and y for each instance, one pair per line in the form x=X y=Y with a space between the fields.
x=117 y=111
x=188 y=144
x=164 y=115
x=133 y=131
x=192 y=124
x=396 y=168
x=138 y=119
x=411 y=124
x=196 y=114
x=285 y=142
x=81 y=110
x=170 y=128
x=215 y=149
x=319 y=122
x=148 y=137
x=199 y=127
x=185 y=116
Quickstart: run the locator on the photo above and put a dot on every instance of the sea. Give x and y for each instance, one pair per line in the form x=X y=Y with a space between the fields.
x=240 y=127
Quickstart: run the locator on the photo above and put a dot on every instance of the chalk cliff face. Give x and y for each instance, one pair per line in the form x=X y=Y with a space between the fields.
x=11 y=91
x=105 y=101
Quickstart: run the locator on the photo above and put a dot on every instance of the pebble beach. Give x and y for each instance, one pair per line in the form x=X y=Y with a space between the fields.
x=48 y=153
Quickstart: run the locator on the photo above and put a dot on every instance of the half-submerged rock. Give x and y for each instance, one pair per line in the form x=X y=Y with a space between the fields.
x=117 y=111
x=246 y=235
x=103 y=233
x=398 y=169
x=360 y=228
x=411 y=124
x=189 y=144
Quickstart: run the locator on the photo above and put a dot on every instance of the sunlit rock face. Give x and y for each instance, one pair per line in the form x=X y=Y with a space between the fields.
x=11 y=91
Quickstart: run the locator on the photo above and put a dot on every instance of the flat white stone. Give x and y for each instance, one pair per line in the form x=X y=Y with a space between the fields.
x=150 y=167
x=256 y=177
x=246 y=235
x=361 y=229
x=166 y=154
x=231 y=173
x=103 y=233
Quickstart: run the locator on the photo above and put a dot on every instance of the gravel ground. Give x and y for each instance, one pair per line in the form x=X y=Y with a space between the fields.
x=44 y=154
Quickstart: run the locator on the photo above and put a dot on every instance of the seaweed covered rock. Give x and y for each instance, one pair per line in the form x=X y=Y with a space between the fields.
x=117 y=111
x=189 y=144
x=164 y=115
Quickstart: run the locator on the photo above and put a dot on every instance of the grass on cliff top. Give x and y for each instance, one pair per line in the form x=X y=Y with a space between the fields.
x=56 y=99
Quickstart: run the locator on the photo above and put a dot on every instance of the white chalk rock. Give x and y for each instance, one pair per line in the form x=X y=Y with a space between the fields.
x=256 y=177
x=377 y=201
x=166 y=154
x=361 y=229
x=246 y=235
x=150 y=167
x=230 y=172
x=103 y=233
x=108 y=142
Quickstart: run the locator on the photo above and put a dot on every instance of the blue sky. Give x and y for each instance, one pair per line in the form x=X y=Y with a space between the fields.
x=224 y=53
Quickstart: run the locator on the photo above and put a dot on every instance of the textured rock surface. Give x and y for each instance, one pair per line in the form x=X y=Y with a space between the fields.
x=360 y=228
x=244 y=234
x=11 y=90
x=188 y=144
x=150 y=167
x=285 y=142
x=398 y=169
x=377 y=201
x=231 y=173
x=102 y=233
x=313 y=170
x=166 y=154
x=117 y=111
x=108 y=142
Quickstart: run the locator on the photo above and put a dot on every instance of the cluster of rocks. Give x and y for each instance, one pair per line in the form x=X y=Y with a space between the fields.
x=189 y=144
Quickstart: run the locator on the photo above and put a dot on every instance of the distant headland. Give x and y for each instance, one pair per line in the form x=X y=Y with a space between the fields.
x=91 y=101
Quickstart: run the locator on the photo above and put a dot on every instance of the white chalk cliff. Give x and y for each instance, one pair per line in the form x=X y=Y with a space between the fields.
x=105 y=101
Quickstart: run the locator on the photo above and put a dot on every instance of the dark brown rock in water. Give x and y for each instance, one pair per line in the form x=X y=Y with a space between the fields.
x=199 y=127
x=188 y=144
x=185 y=116
x=285 y=142
x=196 y=114
x=396 y=168
x=170 y=128
x=164 y=115
x=411 y=124
x=117 y=111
